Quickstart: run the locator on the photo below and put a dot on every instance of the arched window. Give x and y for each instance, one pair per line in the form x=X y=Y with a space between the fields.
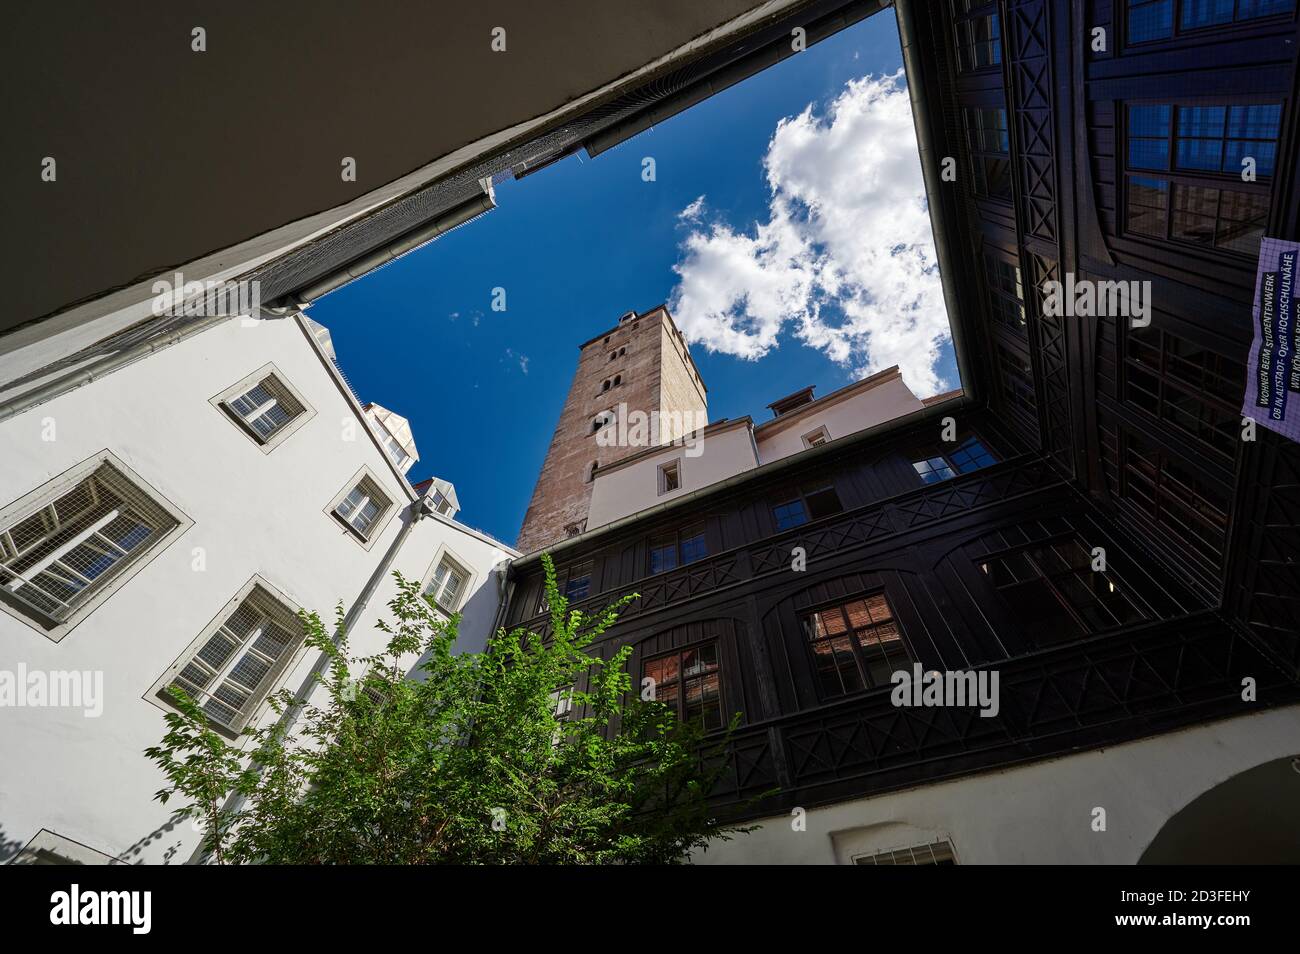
x=618 y=379
x=605 y=386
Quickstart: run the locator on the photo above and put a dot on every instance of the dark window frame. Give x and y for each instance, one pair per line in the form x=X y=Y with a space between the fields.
x=966 y=17
x=682 y=681
x=1164 y=490
x=866 y=681
x=677 y=539
x=1006 y=294
x=1050 y=579
x=800 y=497
x=947 y=456
x=565 y=578
x=989 y=162
x=1164 y=187
x=1177 y=32
x=1177 y=388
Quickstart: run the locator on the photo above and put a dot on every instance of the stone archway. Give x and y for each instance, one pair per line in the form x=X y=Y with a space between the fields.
x=1251 y=818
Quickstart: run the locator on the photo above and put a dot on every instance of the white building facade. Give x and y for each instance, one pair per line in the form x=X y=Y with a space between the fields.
x=164 y=523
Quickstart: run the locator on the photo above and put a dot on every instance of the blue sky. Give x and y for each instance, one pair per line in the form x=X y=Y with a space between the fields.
x=575 y=246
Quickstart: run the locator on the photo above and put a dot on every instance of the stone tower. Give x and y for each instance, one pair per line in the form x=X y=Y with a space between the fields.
x=637 y=384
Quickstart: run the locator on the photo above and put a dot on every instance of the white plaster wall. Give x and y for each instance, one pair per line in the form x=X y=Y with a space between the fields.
x=1034 y=814
x=635 y=487
x=884 y=402
x=430 y=540
x=253 y=513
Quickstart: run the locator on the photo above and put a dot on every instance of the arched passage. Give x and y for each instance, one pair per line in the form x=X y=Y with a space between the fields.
x=1252 y=818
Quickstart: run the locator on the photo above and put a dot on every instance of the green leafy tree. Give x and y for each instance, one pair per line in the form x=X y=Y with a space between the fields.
x=467 y=758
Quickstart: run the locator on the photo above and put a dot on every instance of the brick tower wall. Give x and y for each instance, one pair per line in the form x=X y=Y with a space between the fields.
x=655 y=375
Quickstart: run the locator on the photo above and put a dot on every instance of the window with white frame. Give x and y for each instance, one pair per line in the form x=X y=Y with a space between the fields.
x=396 y=452
x=237 y=662
x=62 y=546
x=448 y=585
x=362 y=507
x=265 y=407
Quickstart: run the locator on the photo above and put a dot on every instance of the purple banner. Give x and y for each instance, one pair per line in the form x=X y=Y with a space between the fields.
x=1274 y=368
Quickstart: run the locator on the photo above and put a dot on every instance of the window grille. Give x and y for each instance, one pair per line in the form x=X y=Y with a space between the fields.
x=237 y=666
x=58 y=557
x=362 y=507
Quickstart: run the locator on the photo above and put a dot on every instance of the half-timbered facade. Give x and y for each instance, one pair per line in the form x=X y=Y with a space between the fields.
x=1091 y=142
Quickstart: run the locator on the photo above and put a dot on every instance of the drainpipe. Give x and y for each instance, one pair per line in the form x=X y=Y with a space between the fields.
x=451 y=219
x=909 y=39
x=418 y=510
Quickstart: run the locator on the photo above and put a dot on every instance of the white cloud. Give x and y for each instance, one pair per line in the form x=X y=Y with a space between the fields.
x=693 y=211
x=845 y=258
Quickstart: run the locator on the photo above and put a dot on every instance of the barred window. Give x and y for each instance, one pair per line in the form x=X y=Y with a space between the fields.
x=448 y=584
x=855 y=645
x=265 y=407
x=362 y=507
x=690 y=682
x=237 y=663
x=935 y=853
x=60 y=548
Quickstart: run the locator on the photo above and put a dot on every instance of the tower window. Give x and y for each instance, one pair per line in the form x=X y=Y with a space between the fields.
x=618 y=379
